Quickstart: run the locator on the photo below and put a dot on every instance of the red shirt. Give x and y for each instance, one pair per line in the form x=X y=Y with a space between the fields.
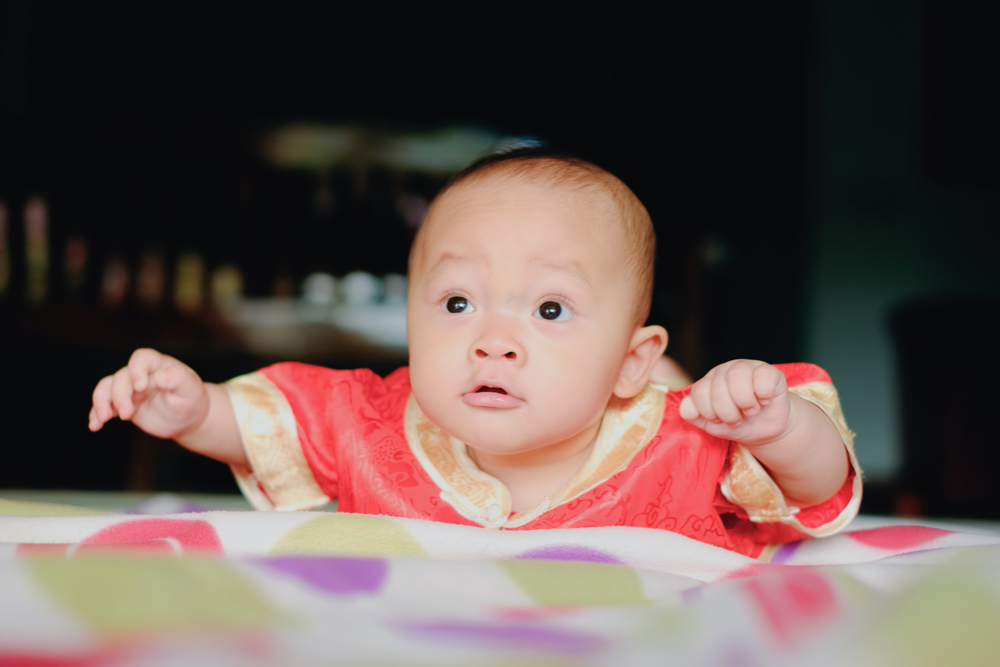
x=352 y=428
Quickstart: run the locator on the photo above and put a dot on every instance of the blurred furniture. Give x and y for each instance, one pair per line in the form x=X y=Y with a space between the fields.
x=949 y=368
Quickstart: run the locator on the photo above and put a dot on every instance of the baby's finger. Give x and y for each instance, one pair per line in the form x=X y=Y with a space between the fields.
x=142 y=364
x=768 y=382
x=94 y=423
x=701 y=398
x=121 y=394
x=739 y=380
x=722 y=402
x=687 y=410
x=103 y=408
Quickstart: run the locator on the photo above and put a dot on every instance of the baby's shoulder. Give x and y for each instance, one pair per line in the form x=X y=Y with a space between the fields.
x=359 y=385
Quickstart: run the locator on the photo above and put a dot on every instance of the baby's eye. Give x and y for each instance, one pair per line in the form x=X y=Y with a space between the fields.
x=553 y=311
x=458 y=304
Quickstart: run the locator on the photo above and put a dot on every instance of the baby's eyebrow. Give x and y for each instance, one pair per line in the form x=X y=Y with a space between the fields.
x=449 y=258
x=572 y=269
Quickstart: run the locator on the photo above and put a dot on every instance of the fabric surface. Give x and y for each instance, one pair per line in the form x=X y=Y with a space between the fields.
x=269 y=588
x=313 y=434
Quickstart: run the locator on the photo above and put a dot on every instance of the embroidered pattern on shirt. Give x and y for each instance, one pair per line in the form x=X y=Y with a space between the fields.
x=627 y=426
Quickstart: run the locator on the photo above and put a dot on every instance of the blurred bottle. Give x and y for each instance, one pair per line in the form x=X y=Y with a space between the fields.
x=36 y=233
x=151 y=280
x=319 y=292
x=396 y=289
x=114 y=282
x=319 y=289
x=412 y=208
x=4 y=249
x=227 y=284
x=359 y=288
x=284 y=286
x=75 y=265
x=189 y=283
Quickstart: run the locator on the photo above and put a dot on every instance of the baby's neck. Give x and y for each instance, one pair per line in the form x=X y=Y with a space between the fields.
x=529 y=479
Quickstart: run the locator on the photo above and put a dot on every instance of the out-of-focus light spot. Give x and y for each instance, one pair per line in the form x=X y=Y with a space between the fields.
x=284 y=287
x=189 y=283
x=227 y=284
x=36 y=232
x=325 y=199
x=313 y=146
x=151 y=279
x=76 y=263
x=714 y=252
x=396 y=288
x=319 y=289
x=114 y=282
x=513 y=143
x=442 y=151
x=412 y=208
x=359 y=288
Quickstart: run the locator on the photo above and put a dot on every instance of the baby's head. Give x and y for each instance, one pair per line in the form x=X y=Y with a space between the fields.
x=530 y=280
x=624 y=213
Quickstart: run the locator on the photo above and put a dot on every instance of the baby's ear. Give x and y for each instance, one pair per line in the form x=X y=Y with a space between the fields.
x=645 y=349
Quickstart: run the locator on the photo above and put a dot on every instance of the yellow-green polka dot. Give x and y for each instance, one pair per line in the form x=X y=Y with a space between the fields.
x=349 y=534
x=553 y=582
x=32 y=508
x=951 y=618
x=119 y=596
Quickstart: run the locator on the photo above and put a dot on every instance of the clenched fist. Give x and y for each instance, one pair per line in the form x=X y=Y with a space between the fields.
x=742 y=400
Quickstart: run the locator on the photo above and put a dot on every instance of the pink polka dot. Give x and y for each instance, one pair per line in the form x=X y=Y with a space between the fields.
x=156 y=537
x=895 y=538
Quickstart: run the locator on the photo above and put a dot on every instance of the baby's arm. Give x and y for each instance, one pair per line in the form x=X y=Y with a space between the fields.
x=749 y=402
x=165 y=398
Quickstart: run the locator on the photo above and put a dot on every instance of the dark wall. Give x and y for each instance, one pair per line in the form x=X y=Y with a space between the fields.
x=140 y=127
x=144 y=120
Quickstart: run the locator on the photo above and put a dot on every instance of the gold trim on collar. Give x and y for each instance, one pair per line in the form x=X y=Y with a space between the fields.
x=627 y=426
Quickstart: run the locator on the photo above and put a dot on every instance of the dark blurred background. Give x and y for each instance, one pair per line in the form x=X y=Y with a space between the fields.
x=823 y=177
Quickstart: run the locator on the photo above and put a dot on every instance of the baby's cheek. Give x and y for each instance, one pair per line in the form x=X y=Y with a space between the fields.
x=433 y=375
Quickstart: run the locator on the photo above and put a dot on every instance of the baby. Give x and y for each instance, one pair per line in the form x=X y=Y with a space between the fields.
x=527 y=402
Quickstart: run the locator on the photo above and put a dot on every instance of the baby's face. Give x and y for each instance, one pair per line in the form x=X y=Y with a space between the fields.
x=520 y=315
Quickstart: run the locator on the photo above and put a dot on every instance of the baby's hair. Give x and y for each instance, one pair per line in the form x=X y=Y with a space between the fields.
x=544 y=165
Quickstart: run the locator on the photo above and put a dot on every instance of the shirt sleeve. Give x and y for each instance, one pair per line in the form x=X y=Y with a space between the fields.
x=277 y=409
x=749 y=487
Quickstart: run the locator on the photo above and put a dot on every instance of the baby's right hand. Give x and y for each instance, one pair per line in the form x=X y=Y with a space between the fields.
x=157 y=393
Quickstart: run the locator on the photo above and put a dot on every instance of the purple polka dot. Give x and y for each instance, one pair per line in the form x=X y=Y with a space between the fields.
x=510 y=634
x=183 y=507
x=571 y=552
x=692 y=595
x=341 y=576
x=785 y=551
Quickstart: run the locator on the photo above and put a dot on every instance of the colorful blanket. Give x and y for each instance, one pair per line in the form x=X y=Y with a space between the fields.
x=319 y=588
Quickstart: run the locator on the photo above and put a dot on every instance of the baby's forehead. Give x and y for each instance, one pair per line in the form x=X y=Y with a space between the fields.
x=533 y=215
x=552 y=238
x=594 y=207
x=603 y=212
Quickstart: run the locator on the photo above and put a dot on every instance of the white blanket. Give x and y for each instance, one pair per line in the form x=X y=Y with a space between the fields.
x=313 y=587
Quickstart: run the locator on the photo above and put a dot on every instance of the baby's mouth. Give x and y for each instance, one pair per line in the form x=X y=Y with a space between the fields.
x=488 y=396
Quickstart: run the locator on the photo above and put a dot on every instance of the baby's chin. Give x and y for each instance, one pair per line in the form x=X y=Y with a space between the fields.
x=493 y=441
x=508 y=441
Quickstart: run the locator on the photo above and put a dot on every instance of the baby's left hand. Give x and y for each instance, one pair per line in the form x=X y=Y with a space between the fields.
x=742 y=400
